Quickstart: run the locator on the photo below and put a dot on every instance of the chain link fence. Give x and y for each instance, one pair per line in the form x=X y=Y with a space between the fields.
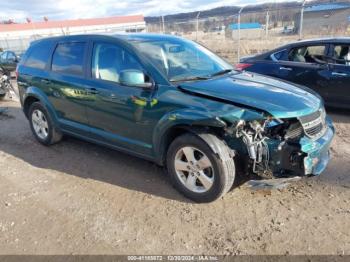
x=249 y=32
x=241 y=33
x=20 y=44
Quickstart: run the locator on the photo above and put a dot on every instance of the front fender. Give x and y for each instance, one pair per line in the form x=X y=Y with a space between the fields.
x=37 y=93
x=183 y=118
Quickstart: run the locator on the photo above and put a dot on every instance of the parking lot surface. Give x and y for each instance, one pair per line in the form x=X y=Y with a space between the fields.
x=80 y=198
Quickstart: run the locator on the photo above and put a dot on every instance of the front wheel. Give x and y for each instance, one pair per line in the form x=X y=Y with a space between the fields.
x=197 y=171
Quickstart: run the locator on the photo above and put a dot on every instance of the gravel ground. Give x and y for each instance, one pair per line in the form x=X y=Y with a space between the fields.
x=79 y=198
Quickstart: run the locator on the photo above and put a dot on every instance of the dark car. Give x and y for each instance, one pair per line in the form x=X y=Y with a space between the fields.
x=8 y=61
x=8 y=64
x=321 y=64
x=173 y=102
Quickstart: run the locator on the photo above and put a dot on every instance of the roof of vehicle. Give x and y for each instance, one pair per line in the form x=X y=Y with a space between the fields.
x=329 y=40
x=325 y=40
x=145 y=37
x=125 y=37
x=326 y=7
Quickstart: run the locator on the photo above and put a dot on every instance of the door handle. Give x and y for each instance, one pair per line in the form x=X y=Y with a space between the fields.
x=339 y=74
x=286 y=68
x=92 y=91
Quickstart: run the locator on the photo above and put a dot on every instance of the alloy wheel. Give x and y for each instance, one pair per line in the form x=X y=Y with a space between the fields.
x=40 y=124
x=194 y=169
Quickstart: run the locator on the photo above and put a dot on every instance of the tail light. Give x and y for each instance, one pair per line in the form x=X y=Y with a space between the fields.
x=242 y=66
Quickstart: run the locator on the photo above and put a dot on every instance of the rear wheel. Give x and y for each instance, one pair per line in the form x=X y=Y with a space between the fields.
x=42 y=125
x=197 y=171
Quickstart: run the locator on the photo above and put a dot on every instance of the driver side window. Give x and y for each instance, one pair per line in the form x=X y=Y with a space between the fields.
x=109 y=60
x=341 y=55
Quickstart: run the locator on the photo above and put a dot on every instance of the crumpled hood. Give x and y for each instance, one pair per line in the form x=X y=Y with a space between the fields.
x=279 y=98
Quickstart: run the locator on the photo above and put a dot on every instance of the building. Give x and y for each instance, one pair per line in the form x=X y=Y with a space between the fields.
x=332 y=18
x=247 y=30
x=18 y=36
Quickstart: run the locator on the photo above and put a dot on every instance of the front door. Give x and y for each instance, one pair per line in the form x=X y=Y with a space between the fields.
x=339 y=77
x=118 y=115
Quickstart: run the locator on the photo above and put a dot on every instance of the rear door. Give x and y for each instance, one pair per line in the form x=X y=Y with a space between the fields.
x=67 y=85
x=34 y=67
x=266 y=65
x=312 y=75
x=306 y=65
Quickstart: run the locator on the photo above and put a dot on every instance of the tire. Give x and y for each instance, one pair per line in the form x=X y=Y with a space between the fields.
x=218 y=178
x=51 y=135
x=2 y=96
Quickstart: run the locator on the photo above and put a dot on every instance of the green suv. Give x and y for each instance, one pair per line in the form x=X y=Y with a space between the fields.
x=173 y=102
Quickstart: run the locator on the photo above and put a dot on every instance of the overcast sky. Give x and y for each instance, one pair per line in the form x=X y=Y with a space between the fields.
x=19 y=10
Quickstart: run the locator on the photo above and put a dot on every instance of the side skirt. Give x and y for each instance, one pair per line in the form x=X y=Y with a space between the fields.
x=121 y=149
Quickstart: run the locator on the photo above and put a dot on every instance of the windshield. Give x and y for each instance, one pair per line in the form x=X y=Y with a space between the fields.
x=182 y=60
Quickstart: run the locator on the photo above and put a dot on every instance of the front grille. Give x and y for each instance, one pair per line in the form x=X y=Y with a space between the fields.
x=314 y=131
x=294 y=131
x=311 y=117
x=314 y=124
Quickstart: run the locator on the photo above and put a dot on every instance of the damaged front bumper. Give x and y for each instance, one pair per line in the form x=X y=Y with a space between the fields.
x=318 y=151
x=307 y=157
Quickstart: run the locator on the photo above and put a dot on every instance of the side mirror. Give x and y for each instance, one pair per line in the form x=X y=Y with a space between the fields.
x=134 y=78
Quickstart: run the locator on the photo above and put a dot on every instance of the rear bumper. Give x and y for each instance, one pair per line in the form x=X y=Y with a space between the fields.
x=318 y=151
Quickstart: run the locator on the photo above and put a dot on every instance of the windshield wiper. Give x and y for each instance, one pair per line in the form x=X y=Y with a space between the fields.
x=192 y=78
x=206 y=77
x=222 y=72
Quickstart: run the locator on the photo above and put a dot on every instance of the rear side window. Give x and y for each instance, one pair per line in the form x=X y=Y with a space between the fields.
x=308 y=54
x=278 y=55
x=68 y=58
x=38 y=56
x=3 y=56
x=11 y=56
